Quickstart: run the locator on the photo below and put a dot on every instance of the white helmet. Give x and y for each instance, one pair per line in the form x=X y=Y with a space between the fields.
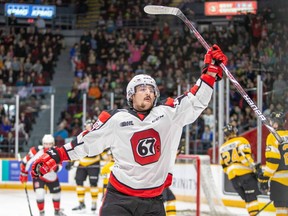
x=141 y=79
x=48 y=139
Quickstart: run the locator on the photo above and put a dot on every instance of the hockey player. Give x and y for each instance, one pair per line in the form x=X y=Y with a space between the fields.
x=238 y=164
x=168 y=196
x=50 y=179
x=276 y=169
x=87 y=166
x=143 y=141
x=106 y=170
x=170 y=200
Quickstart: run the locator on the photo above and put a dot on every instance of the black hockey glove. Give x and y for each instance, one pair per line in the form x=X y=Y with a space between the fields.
x=263 y=183
x=257 y=169
x=69 y=165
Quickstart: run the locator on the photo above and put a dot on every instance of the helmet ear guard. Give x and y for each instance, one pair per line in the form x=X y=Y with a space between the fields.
x=229 y=129
x=141 y=79
x=279 y=118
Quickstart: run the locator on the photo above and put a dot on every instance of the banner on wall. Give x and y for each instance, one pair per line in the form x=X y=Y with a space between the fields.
x=30 y=10
x=184 y=184
x=230 y=8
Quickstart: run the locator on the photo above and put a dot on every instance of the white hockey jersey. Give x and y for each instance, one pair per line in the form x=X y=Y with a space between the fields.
x=144 y=149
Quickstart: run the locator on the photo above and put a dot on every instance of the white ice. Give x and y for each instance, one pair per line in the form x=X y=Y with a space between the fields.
x=15 y=203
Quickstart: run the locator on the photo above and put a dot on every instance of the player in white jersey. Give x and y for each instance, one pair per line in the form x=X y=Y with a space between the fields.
x=143 y=141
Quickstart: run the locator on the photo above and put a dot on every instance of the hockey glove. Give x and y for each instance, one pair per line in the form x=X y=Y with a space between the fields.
x=257 y=169
x=212 y=60
x=23 y=173
x=263 y=183
x=69 y=165
x=44 y=164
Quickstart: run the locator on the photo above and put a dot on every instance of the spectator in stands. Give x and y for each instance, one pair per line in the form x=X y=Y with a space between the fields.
x=79 y=65
x=8 y=143
x=27 y=67
x=74 y=50
x=269 y=110
x=81 y=7
x=40 y=80
x=12 y=22
x=2 y=112
x=20 y=81
x=61 y=132
x=73 y=97
x=3 y=88
x=209 y=118
x=37 y=66
x=279 y=87
x=110 y=25
x=6 y=124
x=94 y=91
x=20 y=50
x=91 y=58
x=40 y=25
x=153 y=59
x=135 y=52
x=206 y=138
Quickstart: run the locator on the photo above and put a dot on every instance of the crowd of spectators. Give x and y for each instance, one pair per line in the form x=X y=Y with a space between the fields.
x=106 y=58
x=27 y=61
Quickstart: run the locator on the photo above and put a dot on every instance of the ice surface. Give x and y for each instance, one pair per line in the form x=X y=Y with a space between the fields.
x=14 y=203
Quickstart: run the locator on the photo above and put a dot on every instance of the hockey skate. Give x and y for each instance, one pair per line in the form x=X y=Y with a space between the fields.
x=59 y=213
x=42 y=213
x=79 y=208
x=93 y=206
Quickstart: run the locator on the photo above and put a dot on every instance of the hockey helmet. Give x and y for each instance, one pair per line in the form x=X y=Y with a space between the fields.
x=229 y=130
x=89 y=122
x=141 y=79
x=48 y=139
x=279 y=118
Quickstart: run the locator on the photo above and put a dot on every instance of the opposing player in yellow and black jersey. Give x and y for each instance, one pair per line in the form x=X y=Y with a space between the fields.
x=237 y=162
x=276 y=166
x=87 y=166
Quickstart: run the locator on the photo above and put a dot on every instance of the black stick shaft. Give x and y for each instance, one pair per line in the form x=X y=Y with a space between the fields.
x=263 y=207
x=28 y=200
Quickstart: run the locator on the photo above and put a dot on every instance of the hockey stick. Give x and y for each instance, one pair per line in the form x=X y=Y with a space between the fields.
x=163 y=10
x=264 y=207
x=25 y=188
x=28 y=200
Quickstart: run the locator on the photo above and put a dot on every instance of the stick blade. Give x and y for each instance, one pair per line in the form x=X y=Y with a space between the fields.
x=158 y=10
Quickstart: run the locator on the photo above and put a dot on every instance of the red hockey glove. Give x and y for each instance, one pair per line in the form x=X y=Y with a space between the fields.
x=212 y=60
x=23 y=177
x=44 y=164
x=218 y=56
x=23 y=173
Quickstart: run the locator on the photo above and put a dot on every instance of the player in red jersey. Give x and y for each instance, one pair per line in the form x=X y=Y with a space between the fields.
x=143 y=141
x=50 y=179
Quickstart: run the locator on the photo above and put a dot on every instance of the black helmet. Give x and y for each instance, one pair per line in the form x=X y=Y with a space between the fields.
x=229 y=129
x=279 y=118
